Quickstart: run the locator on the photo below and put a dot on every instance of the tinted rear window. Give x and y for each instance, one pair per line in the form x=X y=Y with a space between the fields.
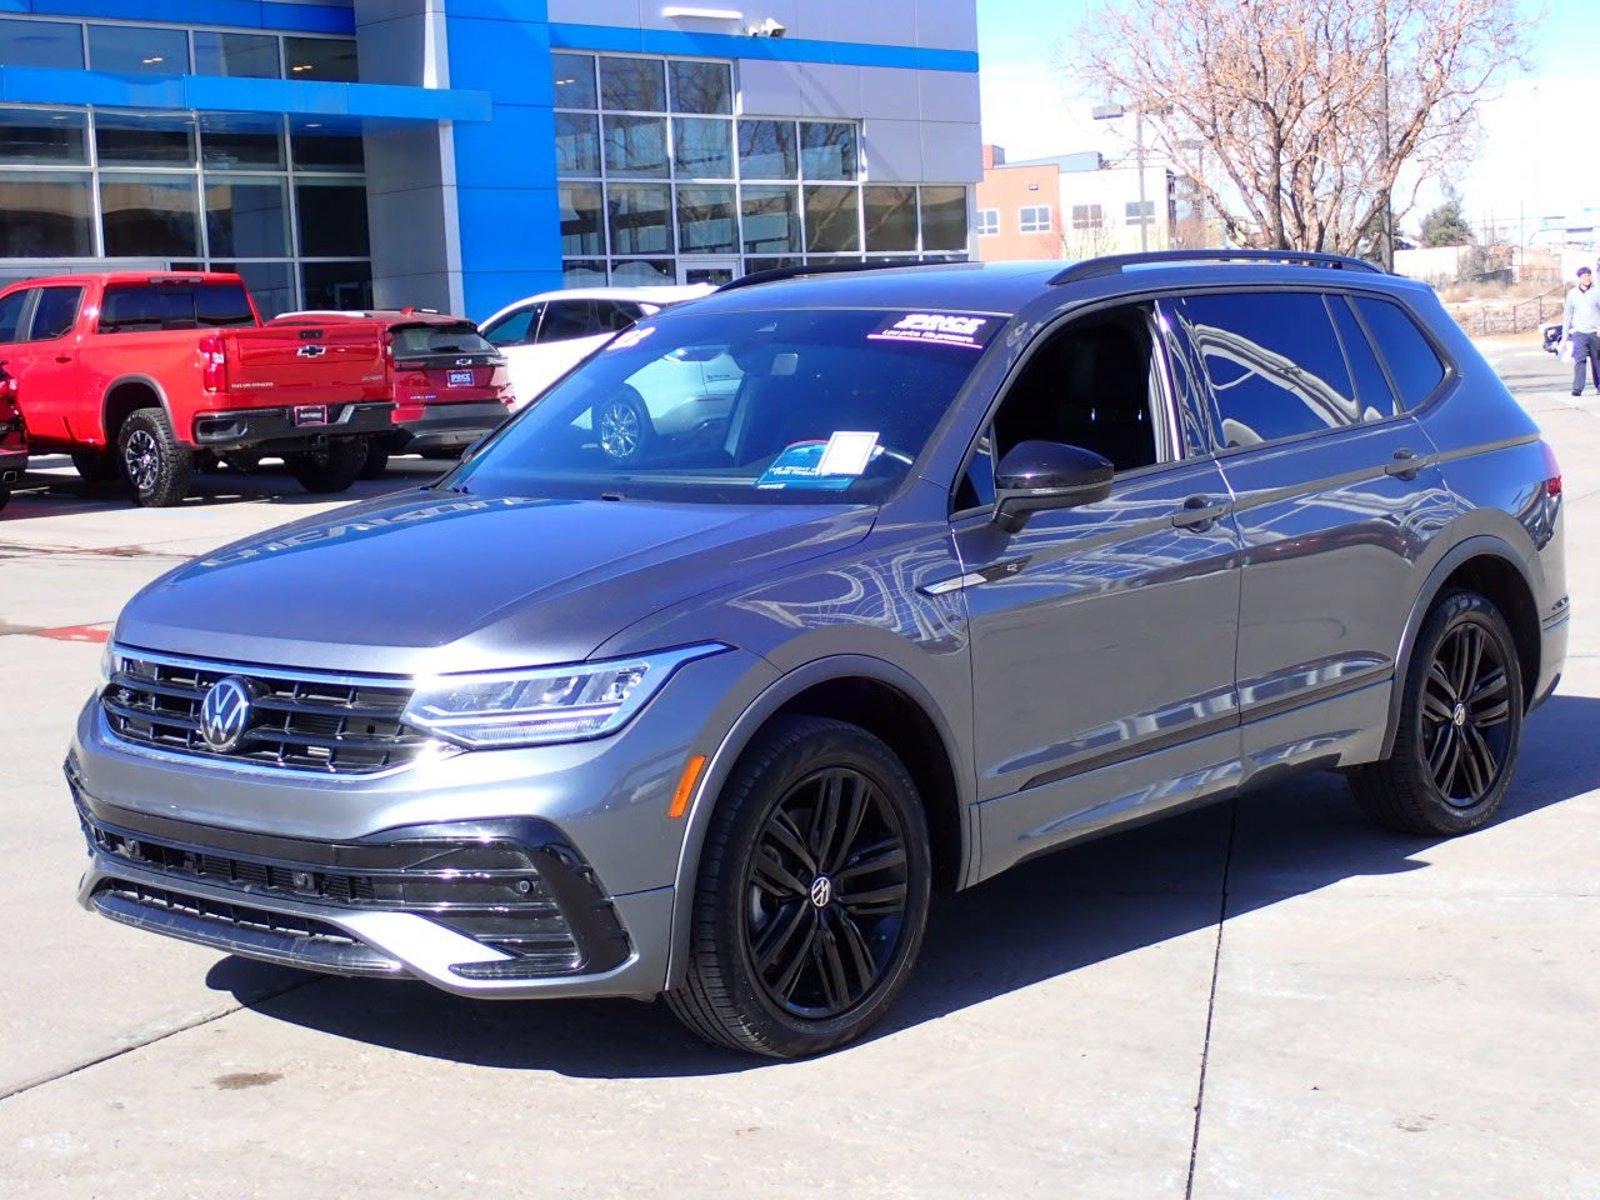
x=1372 y=386
x=1412 y=360
x=421 y=340
x=1276 y=368
x=142 y=308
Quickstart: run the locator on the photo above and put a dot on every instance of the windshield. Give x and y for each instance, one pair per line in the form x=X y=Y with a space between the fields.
x=419 y=341
x=808 y=406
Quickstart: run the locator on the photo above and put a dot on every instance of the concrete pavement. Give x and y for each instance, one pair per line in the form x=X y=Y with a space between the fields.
x=1267 y=998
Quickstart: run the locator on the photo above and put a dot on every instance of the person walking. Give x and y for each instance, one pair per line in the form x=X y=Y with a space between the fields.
x=1581 y=322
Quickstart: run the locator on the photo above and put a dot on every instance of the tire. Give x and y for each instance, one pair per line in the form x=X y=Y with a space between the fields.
x=5 y=494
x=97 y=466
x=441 y=453
x=1453 y=755
x=377 y=460
x=242 y=461
x=331 y=469
x=623 y=426
x=156 y=465
x=854 y=945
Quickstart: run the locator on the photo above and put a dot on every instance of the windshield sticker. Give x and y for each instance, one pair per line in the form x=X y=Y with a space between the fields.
x=801 y=466
x=631 y=337
x=847 y=453
x=937 y=329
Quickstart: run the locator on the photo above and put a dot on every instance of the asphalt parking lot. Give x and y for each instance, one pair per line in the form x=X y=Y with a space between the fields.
x=1265 y=999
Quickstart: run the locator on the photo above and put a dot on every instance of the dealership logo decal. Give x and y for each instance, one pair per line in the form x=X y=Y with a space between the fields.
x=225 y=714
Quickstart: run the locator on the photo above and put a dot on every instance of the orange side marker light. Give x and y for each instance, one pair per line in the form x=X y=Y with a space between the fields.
x=686 y=782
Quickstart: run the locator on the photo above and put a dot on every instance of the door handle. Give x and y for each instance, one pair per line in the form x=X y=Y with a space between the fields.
x=63 y=358
x=1199 y=513
x=1406 y=464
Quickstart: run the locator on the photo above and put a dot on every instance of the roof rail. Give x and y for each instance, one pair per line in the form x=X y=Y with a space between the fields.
x=1115 y=264
x=778 y=274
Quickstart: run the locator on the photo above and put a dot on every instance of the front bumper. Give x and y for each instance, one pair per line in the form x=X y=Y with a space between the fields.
x=12 y=465
x=499 y=908
x=447 y=426
x=276 y=429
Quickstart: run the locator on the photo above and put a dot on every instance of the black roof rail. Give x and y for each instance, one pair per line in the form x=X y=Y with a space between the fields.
x=778 y=274
x=1114 y=264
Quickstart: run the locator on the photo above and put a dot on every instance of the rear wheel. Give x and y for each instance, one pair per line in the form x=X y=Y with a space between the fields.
x=331 y=468
x=377 y=460
x=1460 y=725
x=5 y=494
x=97 y=466
x=812 y=896
x=156 y=465
x=622 y=423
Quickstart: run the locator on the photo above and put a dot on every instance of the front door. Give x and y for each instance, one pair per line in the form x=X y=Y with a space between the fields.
x=1103 y=636
x=714 y=271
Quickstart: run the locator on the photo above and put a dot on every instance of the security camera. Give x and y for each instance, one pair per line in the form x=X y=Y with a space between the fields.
x=770 y=28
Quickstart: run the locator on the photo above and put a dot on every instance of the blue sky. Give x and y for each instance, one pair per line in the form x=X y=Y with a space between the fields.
x=1530 y=161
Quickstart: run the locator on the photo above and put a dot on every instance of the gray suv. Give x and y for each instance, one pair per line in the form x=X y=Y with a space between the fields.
x=976 y=562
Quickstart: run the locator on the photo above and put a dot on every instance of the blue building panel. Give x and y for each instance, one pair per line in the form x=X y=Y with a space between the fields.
x=516 y=140
x=243 y=14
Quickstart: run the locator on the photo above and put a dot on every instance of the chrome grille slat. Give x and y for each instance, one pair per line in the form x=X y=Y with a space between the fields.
x=329 y=726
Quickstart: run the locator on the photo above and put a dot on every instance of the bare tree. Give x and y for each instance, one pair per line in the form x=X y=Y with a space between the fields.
x=1278 y=110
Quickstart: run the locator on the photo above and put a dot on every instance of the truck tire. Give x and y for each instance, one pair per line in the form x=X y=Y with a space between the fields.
x=5 y=494
x=377 y=460
x=157 y=466
x=330 y=469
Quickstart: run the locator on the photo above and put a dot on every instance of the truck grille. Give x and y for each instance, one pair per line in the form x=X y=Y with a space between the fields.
x=334 y=725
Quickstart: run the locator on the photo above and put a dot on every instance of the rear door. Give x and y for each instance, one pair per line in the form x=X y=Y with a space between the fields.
x=50 y=343
x=569 y=332
x=1336 y=499
x=452 y=364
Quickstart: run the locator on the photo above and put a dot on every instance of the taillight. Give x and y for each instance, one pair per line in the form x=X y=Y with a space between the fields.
x=214 y=363
x=1552 y=471
x=388 y=343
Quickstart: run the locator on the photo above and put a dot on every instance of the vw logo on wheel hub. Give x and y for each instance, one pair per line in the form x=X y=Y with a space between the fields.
x=821 y=891
x=1458 y=718
x=225 y=714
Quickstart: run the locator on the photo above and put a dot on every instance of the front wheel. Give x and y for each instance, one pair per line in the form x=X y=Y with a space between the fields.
x=812 y=896
x=331 y=468
x=1460 y=725
x=156 y=465
x=623 y=426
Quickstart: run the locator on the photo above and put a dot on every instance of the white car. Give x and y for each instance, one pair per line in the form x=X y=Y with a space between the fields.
x=545 y=336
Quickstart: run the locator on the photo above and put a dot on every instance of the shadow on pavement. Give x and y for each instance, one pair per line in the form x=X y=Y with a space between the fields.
x=1046 y=918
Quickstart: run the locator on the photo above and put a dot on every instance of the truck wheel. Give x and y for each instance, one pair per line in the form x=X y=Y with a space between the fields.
x=156 y=465
x=333 y=468
x=97 y=466
x=5 y=494
x=377 y=461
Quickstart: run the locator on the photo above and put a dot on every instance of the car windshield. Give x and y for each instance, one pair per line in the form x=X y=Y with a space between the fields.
x=808 y=406
x=421 y=340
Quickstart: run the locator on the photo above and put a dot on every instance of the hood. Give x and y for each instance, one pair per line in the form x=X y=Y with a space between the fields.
x=433 y=581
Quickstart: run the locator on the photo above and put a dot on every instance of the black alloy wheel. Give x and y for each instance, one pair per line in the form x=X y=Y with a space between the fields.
x=1459 y=728
x=826 y=894
x=812 y=892
x=1466 y=715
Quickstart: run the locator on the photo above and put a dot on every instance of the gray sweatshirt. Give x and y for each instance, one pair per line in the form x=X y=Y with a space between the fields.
x=1583 y=311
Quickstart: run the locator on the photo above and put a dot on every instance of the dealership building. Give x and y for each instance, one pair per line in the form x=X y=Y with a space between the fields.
x=459 y=154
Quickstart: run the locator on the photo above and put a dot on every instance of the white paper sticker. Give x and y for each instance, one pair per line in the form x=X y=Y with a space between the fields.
x=848 y=453
x=630 y=337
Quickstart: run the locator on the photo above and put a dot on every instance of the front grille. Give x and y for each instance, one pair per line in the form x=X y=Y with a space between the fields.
x=242 y=916
x=303 y=723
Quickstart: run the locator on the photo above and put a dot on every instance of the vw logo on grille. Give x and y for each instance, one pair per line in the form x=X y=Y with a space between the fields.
x=225 y=714
x=821 y=891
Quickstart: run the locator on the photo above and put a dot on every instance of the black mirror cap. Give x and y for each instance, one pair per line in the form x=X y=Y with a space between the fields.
x=1038 y=475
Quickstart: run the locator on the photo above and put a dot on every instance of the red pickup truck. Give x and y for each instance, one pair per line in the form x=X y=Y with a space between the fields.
x=146 y=377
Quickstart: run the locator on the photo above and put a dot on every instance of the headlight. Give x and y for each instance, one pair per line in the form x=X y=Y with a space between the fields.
x=544 y=705
x=108 y=665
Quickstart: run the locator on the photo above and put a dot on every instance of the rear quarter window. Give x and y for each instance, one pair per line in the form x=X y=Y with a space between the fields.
x=1413 y=363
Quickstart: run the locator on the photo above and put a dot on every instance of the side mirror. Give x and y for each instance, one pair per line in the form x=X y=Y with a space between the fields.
x=1034 y=476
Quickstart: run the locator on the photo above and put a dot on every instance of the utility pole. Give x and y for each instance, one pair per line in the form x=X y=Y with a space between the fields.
x=1112 y=112
x=1386 y=216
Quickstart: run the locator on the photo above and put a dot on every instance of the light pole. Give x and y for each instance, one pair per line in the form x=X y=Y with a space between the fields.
x=1112 y=112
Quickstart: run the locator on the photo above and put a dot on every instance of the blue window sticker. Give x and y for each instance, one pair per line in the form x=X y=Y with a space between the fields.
x=818 y=465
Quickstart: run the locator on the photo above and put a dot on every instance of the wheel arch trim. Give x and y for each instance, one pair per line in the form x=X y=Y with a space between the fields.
x=1481 y=545
x=739 y=735
x=137 y=380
